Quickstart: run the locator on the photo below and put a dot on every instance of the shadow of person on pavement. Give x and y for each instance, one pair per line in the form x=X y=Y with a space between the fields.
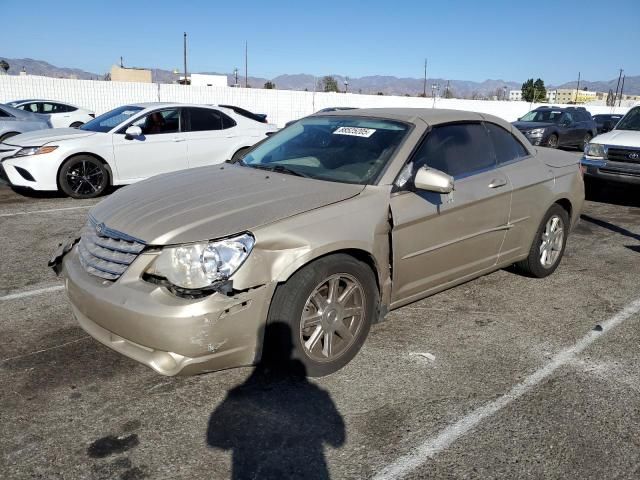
x=276 y=423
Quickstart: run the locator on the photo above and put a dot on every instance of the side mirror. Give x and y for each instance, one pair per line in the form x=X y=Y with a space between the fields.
x=433 y=180
x=132 y=132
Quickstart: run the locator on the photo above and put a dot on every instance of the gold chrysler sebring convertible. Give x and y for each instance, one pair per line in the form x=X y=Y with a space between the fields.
x=326 y=226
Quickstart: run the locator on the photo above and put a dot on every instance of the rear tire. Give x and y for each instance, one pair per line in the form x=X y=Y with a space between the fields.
x=83 y=176
x=553 y=141
x=76 y=124
x=328 y=307
x=548 y=244
x=8 y=135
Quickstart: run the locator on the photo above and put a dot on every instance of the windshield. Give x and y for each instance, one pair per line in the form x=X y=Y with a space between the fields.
x=547 y=116
x=107 y=121
x=631 y=121
x=338 y=149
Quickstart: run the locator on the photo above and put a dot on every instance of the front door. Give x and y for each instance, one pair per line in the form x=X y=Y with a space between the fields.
x=160 y=149
x=441 y=238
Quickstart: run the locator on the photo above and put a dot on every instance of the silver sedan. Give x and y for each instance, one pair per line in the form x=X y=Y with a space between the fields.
x=14 y=121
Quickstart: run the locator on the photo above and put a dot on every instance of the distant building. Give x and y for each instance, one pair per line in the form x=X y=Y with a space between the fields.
x=125 y=74
x=515 y=95
x=570 y=95
x=202 y=80
x=552 y=96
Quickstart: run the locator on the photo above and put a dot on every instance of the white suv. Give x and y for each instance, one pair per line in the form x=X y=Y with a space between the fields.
x=615 y=155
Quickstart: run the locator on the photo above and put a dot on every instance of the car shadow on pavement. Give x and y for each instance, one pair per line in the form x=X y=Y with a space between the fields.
x=614 y=193
x=277 y=423
x=615 y=229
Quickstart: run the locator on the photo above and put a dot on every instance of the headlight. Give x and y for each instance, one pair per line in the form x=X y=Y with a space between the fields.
x=29 y=151
x=199 y=265
x=594 y=150
x=536 y=132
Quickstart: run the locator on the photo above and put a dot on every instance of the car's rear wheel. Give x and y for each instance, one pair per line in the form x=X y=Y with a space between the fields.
x=548 y=244
x=83 y=176
x=552 y=141
x=6 y=136
x=587 y=138
x=76 y=124
x=328 y=306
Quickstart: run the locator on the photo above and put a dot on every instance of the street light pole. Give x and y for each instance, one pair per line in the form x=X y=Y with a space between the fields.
x=185 y=58
x=424 y=86
x=346 y=84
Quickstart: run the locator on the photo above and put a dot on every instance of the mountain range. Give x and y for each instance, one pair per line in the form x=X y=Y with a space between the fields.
x=387 y=85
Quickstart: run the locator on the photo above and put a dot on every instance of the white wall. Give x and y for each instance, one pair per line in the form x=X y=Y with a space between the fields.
x=279 y=105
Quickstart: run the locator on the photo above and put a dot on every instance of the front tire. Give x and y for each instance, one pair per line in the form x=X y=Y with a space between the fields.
x=552 y=141
x=548 y=244
x=587 y=138
x=83 y=176
x=328 y=306
x=239 y=154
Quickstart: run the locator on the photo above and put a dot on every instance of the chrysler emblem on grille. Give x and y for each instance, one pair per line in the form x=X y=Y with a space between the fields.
x=100 y=228
x=634 y=156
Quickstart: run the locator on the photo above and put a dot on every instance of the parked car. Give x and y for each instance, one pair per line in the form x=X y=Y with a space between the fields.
x=62 y=115
x=323 y=110
x=615 y=155
x=606 y=122
x=126 y=145
x=555 y=127
x=14 y=122
x=326 y=226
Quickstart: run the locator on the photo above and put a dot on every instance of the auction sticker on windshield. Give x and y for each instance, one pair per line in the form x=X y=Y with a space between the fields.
x=355 y=131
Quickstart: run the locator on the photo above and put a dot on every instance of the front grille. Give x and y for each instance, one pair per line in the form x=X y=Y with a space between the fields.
x=106 y=253
x=626 y=155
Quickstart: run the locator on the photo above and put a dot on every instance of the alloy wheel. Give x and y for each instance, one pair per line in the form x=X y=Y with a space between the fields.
x=552 y=241
x=85 y=178
x=332 y=317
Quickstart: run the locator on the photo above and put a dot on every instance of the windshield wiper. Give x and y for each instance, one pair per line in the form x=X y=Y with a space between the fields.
x=278 y=169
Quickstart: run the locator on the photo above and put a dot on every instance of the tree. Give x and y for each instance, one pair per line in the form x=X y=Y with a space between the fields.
x=269 y=85
x=533 y=91
x=449 y=93
x=4 y=65
x=380 y=93
x=328 y=84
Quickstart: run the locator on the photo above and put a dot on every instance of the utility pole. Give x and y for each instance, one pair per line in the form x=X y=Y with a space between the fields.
x=121 y=63
x=621 y=89
x=235 y=74
x=446 y=95
x=246 y=56
x=617 y=87
x=424 y=86
x=577 y=88
x=185 y=58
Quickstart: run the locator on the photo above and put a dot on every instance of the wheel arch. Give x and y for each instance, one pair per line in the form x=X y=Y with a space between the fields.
x=567 y=205
x=89 y=154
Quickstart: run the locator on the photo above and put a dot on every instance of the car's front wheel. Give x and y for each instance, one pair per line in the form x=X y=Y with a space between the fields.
x=548 y=244
x=83 y=176
x=587 y=138
x=328 y=306
x=552 y=141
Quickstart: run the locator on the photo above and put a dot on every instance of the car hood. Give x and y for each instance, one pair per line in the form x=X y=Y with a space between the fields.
x=622 y=138
x=212 y=202
x=531 y=125
x=38 y=138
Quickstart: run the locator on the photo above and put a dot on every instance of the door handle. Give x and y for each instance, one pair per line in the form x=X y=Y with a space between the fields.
x=497 y=183
x=178 y=140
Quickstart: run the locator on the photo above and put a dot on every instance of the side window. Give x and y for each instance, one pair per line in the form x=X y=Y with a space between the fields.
x=567 y=118
x=159 y=122
x=47 y=108
x=29 y=107
x=205 y=119
x=457 y=149
x=4 y=114
x=60 y=107
x=507 y=148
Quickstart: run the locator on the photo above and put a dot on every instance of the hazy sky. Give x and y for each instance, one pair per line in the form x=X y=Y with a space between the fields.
x=467 y=40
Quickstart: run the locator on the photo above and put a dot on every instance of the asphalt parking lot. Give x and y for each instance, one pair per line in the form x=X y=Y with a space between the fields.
x=502 y=377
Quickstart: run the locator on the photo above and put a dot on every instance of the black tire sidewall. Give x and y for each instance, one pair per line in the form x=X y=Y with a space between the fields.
x=66 y=166
x=239 y=153
x=76 y=124
x=289 y=300
x=535 y=266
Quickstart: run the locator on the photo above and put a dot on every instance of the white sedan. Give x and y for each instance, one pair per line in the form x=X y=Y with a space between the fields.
x=61 y=115
x=125 y=145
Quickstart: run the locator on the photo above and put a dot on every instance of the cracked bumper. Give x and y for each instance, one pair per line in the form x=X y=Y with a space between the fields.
x=169 y=334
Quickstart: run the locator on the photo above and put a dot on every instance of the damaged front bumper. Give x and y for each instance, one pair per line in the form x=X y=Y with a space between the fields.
x=170 y=334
